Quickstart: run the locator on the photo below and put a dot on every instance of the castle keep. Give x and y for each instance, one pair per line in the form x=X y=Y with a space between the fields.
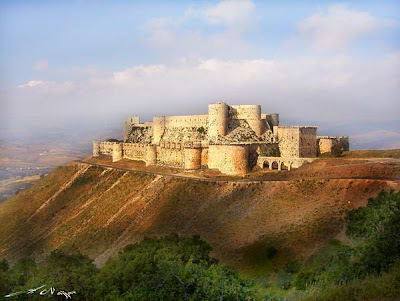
x=230 y=138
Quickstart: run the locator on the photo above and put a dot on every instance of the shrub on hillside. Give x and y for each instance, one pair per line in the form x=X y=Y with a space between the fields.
x=68 y=273
x=376 y=228
x=5 y=283
x=170 y=268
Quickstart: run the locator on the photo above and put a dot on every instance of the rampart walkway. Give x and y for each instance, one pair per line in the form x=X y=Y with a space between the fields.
x=223 y=179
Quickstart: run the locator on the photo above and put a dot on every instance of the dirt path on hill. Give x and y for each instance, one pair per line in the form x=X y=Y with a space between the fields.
x=282 y=178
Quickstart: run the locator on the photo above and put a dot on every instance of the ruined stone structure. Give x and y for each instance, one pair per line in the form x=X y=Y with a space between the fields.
x=325 y=143
x=230 y=138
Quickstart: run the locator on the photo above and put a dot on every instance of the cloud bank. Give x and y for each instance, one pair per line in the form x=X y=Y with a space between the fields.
x=206 y=55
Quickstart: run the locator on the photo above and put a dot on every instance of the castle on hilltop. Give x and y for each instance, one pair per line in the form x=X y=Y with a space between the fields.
x=230 y=138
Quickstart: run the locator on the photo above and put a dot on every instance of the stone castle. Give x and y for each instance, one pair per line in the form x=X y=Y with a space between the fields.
x=230 y=138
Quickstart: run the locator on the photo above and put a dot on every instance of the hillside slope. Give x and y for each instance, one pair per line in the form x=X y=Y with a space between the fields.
x=99 y=210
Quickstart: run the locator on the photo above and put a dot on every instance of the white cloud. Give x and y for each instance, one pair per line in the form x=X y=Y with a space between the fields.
x=47 y=87
x=332 y=89
x=337 y=28
x=170 y=38
x=130 y=74
x=34 y=83
x=231 y=13
x=337 y=88
x=41 y=65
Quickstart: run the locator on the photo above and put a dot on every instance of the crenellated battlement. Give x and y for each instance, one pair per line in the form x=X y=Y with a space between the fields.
x=230 y=138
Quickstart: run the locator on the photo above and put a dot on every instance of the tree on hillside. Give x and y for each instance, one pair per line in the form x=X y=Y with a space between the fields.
x=68 y=273
x=21 y=272
x=5 y=284
x=376 y=250
x=169 y=268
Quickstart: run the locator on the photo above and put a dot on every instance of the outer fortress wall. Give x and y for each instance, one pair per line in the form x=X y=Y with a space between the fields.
x=229 y=159
x=134 y=151
x=170 y=154
x=103 y=147
x=131 y=151
x=217 y=119
x=250 y=113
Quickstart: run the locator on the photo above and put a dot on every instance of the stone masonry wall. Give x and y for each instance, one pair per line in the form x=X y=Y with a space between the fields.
x=186 y=121
x=229 y=159
x=250 y=113
x=192 y=158
x=288 y=141
x=204 y=157
x=217 y=119
x=170 y=156
x=325 y=144
x=105 y=147
x=229 y=138
x=134 y=151
x=308 y=142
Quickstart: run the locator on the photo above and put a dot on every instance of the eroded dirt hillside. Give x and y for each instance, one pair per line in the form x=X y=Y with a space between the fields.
x=99 y=210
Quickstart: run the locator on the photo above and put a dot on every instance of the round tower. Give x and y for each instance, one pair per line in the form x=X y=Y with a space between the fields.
x=151 y=155
x=117 y=152
x=253 y=113
x=96 y=148
x=217 y=119
x=158 y=128
x=192 y=158
x=229 y=158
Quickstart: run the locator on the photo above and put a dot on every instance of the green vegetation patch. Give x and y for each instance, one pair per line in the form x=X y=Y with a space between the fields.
x=169 y=268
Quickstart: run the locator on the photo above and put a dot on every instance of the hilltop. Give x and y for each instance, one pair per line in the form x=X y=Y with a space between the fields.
x=97 y=210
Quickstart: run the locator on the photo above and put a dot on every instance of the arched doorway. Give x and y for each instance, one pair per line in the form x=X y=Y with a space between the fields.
x=283 y=166
x=274 y=165
x=266 y=164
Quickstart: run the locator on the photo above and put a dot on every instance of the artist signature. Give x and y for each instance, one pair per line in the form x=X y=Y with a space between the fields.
x=43 y=291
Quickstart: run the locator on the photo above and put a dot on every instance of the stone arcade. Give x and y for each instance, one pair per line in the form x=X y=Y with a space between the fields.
x=230 y=138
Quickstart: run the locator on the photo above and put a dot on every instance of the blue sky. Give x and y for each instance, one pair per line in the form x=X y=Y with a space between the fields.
x=103 y=60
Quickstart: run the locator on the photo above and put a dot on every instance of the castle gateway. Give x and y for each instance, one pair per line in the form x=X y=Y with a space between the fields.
x=230 y=138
